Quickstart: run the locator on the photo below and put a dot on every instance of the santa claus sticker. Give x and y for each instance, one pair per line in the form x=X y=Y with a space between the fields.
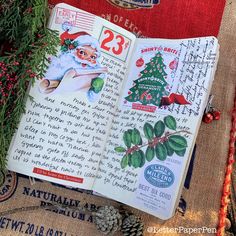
x=76 y=68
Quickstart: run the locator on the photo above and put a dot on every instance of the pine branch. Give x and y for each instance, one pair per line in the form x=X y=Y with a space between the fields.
x=11 y=19
x=24 y=25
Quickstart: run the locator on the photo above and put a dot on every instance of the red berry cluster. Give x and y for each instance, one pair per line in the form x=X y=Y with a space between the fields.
x=7 y=81
x=210 y=116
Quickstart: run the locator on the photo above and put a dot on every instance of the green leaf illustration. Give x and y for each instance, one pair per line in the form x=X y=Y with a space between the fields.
x=169 y=150
x=177 y=142
x=127 y=139
x=170 y=122
x=120 y=149
x=135 y=137
x=64 y=48
x=148 y=131
x=161 y=152
x=136 y=159
x=142 y=160
x=181 y=152
x=150 y=153
x=130 y=131
x=124 y=161
x=67 y=41
x=141 y=142
x=159 y=128
x=129 y=159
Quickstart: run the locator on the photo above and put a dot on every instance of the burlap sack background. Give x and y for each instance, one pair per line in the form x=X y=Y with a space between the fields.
x=203 y=197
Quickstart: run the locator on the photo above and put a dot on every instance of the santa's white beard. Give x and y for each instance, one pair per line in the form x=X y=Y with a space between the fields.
x=66 y=61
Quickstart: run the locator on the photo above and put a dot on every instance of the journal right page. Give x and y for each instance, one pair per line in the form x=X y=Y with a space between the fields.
x=156 y=123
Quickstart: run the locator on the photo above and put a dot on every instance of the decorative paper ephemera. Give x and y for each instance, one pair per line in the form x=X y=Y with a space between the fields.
x=169 y=76
x=155 y=76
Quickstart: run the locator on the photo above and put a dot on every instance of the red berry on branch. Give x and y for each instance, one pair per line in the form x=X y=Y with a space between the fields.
x=16 y=63
x=29 y=10
x=208 y=118
x=71 y=46
x=216 y=115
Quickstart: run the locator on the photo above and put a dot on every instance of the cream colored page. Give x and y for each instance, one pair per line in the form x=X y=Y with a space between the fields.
x=128 y=185
x=151 y=182
x=62 y=135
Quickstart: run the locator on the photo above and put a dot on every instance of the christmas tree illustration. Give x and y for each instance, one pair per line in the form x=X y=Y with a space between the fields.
x=149 y=88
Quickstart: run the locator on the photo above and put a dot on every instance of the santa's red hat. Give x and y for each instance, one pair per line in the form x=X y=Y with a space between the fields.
x=67 y=35
x=81 y=38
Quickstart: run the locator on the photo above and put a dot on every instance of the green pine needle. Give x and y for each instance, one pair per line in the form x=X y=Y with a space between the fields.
x=23 y=25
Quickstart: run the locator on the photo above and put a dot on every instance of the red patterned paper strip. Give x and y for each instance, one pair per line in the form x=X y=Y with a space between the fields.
x=143 y=107
x=57 y=175
x=226 y=187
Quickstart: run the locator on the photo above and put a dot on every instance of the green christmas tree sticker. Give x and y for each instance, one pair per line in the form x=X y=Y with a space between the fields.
x=149 y=88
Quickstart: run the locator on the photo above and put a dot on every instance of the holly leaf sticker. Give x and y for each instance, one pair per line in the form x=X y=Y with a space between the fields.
x=142 y=159
x=150 y=153
x=159 y=128
x=120 y=149
x=170 y=122
x=124 y=161
x=181 y=153
x=136 y=159
x=135 y=137
x=148 y=131
x=127 y=139
x=161 y=152
x=169 y=150
x=177 y=142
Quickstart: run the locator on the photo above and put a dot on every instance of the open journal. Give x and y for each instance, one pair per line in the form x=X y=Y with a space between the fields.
x=114 y=113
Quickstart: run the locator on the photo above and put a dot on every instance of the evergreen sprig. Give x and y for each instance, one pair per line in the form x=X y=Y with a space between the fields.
x=29 y=42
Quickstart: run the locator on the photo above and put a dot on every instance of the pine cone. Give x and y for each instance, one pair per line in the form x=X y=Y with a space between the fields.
x=132 y=226
x=108 y=220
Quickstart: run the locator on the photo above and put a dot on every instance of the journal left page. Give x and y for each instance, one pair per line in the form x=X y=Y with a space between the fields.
x=62 y=134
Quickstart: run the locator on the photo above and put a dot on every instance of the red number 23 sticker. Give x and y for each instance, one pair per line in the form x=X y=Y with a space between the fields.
x=114 y=44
